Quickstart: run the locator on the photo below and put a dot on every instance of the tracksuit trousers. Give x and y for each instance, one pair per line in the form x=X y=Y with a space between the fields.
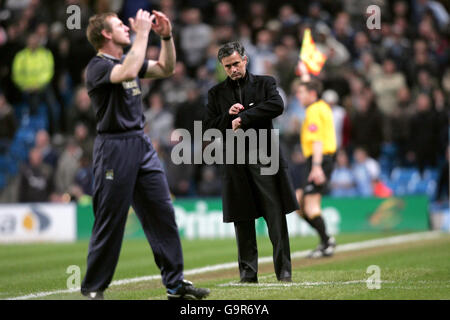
x=127 y=172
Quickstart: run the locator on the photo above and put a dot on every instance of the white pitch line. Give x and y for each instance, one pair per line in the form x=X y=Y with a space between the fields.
x=224 y=266
x=295 y=284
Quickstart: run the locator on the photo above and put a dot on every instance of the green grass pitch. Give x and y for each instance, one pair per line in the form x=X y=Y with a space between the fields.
x=416 y=270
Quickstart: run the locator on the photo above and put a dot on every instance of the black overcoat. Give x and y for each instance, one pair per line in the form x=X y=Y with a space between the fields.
x=262 y=103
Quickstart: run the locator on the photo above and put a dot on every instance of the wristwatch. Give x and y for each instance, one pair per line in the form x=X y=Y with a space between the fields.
x=317 y=164
x=167 y=37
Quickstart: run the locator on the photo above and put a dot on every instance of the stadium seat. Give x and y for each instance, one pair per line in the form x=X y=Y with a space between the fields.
x=20 y=109
x=431 y=174
x=3 y=164
x=3 y=181
x=405 y=175
x=431 y=188
x=12 y=166
x=18 y=151
x=38 y=122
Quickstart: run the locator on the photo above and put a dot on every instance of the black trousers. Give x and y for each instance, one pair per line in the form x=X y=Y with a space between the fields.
x=268 y=200
x=127 y=172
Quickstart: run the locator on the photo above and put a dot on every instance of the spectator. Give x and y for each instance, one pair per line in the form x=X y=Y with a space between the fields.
x=84 y=139
x=343 y=31
x=437 y=10
x=289 y=123
x=365 y=170
x=179 y=178
x=380 y=75
x=68 y=165
x=195 y=39
x=316 y=14
x=342 y=182
x=35 y=179
x=49 y=154
x=339 y=114
x=81 y=112
x=189 y=112
x=159 y=121
x=84 y=177
x=337 y=54
x=263 y=57
x=204 y=81
x=224 y=14
x=396 y=45
x=442 y=191
x=256 y=17
x=176 y=88
x=424 y=137
x=386 y=86
x=421 y=61
x=367 y=67
x=367 y=124
x=223 y=33
x=424 y=84
x=284 y=67
x=32 y=71
x=361 y=44
x=210 y=184
x=401 y=120
x=8 y=51
x=443 y=115
x=289 y=19
x=8 y=125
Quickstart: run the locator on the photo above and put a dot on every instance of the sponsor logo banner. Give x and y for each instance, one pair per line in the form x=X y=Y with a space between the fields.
x=37 y=222
x=201 y=218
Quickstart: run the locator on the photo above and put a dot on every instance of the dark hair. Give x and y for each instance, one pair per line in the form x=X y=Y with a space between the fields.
x=313 y=85
x=228 y=48
x=94 y=30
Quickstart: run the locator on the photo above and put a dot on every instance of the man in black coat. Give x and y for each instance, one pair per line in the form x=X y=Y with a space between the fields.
x=250 y=102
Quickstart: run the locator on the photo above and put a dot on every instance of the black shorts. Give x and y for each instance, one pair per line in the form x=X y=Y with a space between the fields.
x=301 y=180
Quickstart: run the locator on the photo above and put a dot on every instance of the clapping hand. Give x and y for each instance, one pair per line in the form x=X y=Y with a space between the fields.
x=162 y=25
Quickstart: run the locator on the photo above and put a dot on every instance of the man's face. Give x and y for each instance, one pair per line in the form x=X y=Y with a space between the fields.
x=235 y=66
x=304 y=96
x=120 y=33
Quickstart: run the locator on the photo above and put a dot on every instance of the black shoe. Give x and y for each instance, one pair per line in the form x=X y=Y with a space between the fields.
x=249 y=280
x=187 y=291
x=285 y=279
x=324 y=250
x=93 y=295
x=328 y=249
x=317 y=252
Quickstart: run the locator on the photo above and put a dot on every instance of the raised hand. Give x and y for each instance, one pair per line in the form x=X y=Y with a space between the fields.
x=162 y=25
x=143 y=22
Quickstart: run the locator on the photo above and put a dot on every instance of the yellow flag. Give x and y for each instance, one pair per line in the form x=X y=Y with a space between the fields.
x=311 y=57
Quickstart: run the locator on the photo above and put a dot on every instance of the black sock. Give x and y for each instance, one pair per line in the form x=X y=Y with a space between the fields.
x=318 y=224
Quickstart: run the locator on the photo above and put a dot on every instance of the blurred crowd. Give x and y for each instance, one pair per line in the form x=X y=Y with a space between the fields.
x=389 y=87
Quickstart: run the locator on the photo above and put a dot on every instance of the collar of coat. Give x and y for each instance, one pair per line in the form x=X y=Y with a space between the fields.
x=248 y=78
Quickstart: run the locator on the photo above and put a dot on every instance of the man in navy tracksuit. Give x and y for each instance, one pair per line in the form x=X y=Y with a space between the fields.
x=127 y=170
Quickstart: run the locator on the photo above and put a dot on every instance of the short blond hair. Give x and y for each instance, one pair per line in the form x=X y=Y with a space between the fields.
x=97 y=23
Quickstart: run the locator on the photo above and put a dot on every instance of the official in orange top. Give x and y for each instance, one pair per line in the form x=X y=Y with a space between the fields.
x=318 y=127
x=318 y=140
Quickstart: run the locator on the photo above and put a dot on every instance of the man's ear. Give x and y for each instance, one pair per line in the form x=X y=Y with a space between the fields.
x=106 y=34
